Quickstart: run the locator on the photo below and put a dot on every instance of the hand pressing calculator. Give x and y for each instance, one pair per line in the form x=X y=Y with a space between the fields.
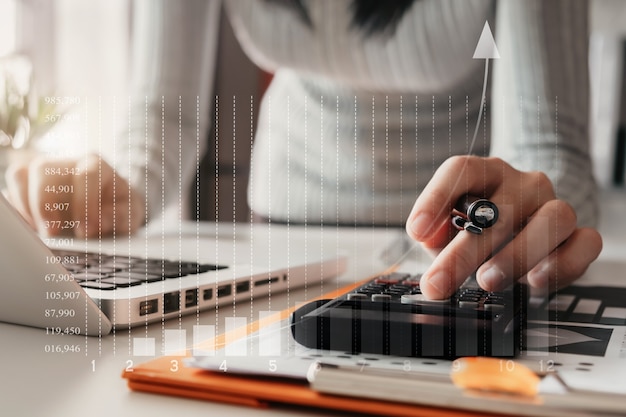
x=389 y=315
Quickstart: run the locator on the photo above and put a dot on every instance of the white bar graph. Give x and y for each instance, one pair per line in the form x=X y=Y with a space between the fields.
x=269 y=336
x=204 y=340
x=235 y=346
x=174 y=341
x=144 y=346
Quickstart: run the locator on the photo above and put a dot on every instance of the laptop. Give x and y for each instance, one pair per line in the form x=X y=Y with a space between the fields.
x=89 y=293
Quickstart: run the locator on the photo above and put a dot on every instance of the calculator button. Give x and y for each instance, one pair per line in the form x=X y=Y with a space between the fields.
x=493 y=307
x=381 y=297
x=469 y=298
x=375 y=287
x=357 y=296
x=470 y=292
x=396 y=292
x=421 y=299
x=399 y=287
x=471 y=305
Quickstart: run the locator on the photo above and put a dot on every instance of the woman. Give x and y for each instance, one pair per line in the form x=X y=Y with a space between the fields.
x=369 y=103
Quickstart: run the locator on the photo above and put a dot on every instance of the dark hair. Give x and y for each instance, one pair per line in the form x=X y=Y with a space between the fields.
x=370 y=16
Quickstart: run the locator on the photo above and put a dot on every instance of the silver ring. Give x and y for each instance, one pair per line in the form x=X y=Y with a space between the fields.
x=474 y=214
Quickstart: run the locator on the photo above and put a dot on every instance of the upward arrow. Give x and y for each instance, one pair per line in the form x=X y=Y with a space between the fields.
x=486 y=47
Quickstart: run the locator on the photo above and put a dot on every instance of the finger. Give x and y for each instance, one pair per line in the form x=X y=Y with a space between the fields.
x=464 y=254
x=17 y=188
x=568 y=262
x=441 y=236
x=455 y=177
x=552 y=224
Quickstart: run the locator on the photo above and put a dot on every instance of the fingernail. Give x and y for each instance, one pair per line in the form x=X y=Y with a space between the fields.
x=439 y=282
x=421 y=225
x=492 y=279
x=539 y=278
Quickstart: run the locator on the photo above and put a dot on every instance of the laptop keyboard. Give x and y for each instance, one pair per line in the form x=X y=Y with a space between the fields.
x=108 y=272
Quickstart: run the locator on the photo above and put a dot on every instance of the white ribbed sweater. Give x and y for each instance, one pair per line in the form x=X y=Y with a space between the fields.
x=352 y=127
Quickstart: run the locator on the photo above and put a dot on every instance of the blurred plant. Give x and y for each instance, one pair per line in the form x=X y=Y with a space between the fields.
x=23 y=116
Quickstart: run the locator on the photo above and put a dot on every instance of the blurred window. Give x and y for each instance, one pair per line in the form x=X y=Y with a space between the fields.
x=8 y=26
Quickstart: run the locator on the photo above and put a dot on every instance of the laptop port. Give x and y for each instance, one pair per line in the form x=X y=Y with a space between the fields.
x=207 y=294
x=171 y=302
x=191 y=298
x=148 y=307
x=224 y=290
x=242 y=287
x=266 y=281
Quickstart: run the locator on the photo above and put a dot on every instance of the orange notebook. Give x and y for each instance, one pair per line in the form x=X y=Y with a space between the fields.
x=168 y=375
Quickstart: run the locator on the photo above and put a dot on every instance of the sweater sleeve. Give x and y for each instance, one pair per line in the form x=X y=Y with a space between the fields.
x=541 y=96
x=174 y=46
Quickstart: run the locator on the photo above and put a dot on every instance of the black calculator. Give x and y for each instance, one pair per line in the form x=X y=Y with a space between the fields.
x=389 y=315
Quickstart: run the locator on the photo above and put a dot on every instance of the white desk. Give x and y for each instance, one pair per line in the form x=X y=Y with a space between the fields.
x=35 y=383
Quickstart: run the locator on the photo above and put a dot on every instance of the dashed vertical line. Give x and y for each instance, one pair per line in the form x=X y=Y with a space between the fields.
x=556 y=183
x=163 y=173
x=234 y=197
x=354 y=181
x=401 y=152
x=146 y=152
x=386 y=162
x=484 y=116
x=269 y=192
x=251 y=184
x=114 y=202
x=85 y=217
x=467 y=143
x=417 y=142
x=337 y=184
x=100 y=215
x=467 y=124
x=288 y=197
x=373 y=161
x=306 y=189
x=449 y=125
x=180 y=200
x=129 y=207
x=433 y=133
x=216 y=183
x=521 y=114
x=198 y=295
x=322 y=190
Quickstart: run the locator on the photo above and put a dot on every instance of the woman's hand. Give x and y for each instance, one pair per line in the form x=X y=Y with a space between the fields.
x=535 y=236
x=83 y=197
